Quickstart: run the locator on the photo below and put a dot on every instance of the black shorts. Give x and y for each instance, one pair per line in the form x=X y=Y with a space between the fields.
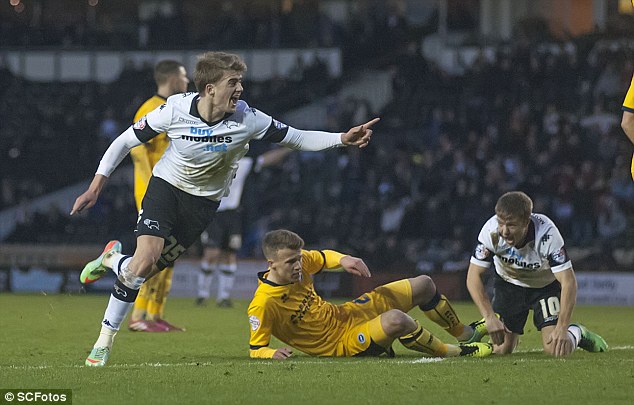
x=513 y=302
x=174 y=215
x=225 y=232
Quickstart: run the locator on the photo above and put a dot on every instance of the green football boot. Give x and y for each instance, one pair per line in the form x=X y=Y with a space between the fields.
x=590 y=341
x=95 y=269
x=479 y=331
x=476 y=349
x=98 y=356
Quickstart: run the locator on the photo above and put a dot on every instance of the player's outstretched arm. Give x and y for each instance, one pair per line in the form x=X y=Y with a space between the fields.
x=355 y=265
x=90 y=196
x=359 y=135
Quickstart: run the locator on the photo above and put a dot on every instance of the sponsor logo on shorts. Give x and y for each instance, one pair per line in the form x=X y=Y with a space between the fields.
x=151 y=224
x=361 y=338
x=255 y=322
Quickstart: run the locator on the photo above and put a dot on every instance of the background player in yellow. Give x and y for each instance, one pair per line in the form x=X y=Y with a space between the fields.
x=286 y=306
x=627 y=123
x=147 y=316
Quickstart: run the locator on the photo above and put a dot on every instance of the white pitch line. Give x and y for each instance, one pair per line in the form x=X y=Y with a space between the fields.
x=269 y=362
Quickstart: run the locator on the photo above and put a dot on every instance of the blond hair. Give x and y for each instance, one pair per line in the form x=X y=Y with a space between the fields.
x=279 y=239
x=211 y=66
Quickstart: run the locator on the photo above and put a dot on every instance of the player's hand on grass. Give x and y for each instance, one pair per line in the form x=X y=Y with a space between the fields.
x=282 y=353
x=497 y=330
x=356 y=266
x=359 y=135
x=559 y=342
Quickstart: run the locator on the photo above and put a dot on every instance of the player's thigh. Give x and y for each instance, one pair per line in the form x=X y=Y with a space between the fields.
x=545 y=305
x=395 y=295
x=178 y=217
x=365 y=339
x=509 y=301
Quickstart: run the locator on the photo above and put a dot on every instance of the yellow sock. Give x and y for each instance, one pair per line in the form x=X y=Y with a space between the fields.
x=423 y=341
x=158 y=299
x=141 y=303
x=444 y=315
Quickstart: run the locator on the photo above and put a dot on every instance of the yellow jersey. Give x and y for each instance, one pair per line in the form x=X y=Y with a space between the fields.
x=295 y=313
x=628 y=105
x=145 y=156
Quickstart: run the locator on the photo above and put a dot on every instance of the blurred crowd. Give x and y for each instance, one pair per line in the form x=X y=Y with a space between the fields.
x=542 y=117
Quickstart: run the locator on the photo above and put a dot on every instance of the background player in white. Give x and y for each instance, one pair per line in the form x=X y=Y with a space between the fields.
x=532 y=271
x=223 y=238
x=209 y=132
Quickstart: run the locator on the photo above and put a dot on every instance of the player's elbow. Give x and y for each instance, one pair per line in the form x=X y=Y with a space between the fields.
x=627 y=123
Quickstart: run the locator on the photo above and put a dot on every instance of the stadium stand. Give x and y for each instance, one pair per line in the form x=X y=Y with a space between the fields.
x=448 y=144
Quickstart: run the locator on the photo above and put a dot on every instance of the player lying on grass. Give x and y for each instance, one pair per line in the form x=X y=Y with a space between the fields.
x=286 y=306
x=532 y=271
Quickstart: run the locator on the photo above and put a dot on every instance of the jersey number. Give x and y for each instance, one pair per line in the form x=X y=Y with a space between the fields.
x=550 y=307
x=362 y=299
x=172 y=249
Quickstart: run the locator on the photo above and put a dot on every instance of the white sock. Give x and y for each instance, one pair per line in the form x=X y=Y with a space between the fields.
x=204 y=283
x=226 y=277
x=575 y=332
x=120 y=264
x=112 y=261
x=106 y=337
x=116 y=313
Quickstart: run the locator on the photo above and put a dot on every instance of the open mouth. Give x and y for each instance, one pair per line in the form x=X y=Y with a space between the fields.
x=233 y=101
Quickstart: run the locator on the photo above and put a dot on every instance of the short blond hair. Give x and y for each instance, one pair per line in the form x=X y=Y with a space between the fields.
x=211 y=66
x=279 y=239
x=514 y=204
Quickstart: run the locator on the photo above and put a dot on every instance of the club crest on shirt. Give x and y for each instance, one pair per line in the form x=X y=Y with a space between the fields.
x=140 y=124
x=230 y=124
x=361 y=338
x=255 y=322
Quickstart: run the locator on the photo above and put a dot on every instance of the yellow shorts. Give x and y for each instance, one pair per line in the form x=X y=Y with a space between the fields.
x=364 y=317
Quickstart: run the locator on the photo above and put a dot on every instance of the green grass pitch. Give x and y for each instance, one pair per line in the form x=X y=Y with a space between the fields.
x=45 y=339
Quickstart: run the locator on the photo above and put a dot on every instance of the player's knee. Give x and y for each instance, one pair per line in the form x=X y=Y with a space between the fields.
x=397 y=323
x=423 y=289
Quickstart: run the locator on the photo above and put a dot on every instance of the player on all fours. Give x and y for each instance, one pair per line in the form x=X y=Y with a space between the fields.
x=532 y=272
x=285 y=305
x=209 y=132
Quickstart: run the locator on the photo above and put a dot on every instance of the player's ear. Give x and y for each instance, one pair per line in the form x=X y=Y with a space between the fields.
x=210 y=89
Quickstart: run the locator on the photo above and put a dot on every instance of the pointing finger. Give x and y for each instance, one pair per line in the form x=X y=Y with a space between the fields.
x=371 y=122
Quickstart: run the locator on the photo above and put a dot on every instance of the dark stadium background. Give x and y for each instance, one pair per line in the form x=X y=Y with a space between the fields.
x=476 y=98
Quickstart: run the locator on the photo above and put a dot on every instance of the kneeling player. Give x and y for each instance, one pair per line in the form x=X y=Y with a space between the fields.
x=286 y=306
x=532 y=271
